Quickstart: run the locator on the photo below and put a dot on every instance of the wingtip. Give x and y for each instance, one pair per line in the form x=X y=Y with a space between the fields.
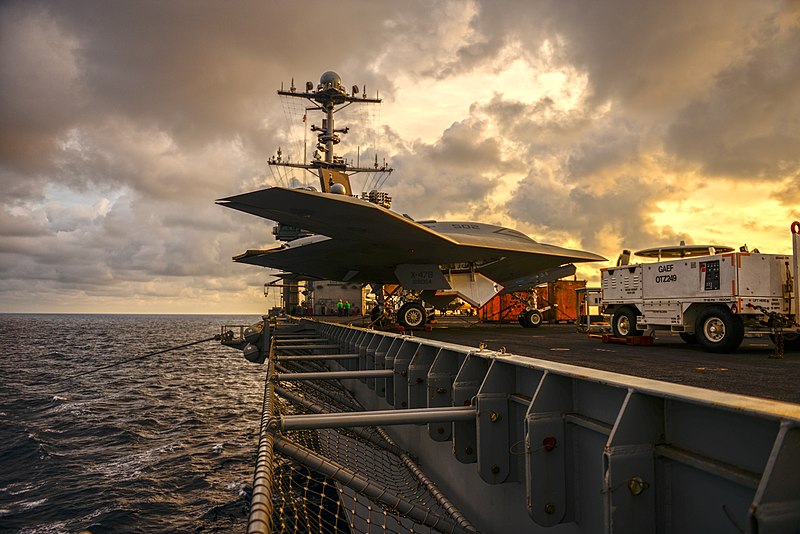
x=594 y=258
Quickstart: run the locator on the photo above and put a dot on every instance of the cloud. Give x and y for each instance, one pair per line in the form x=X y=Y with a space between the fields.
x=40 y=80
x=20 y=225
x=648 y=55
x=160 y=109
x=789 y=194
x=452 y=176
x=748 y=125
x=120 y=123
x=670 y=97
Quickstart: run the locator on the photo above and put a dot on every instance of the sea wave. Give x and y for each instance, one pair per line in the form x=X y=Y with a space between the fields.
x=163 y=444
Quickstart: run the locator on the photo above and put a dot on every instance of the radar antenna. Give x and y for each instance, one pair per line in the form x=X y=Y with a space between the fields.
x=329 y=168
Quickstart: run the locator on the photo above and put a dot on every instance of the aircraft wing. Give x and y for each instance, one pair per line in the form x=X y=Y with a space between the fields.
x=337 y=216
x=367 y=242
x=522 y=263
x=325 y=260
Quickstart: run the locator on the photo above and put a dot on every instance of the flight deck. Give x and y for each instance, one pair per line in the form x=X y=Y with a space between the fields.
x=752 y=370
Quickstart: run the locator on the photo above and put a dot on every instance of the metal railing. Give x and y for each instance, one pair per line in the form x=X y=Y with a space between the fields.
x=554 y=444
x=261 y=504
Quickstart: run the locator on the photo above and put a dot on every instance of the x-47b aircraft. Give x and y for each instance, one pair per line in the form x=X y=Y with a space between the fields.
x=357 y=241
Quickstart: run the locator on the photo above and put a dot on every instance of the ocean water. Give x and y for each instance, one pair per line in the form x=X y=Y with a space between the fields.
x=163 y=444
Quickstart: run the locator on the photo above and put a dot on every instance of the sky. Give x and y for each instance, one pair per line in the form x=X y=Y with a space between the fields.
x=593 y=125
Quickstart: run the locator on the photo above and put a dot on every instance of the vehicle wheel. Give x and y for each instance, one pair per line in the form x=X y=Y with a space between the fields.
x=719 y=330
x=533 y=318
x=412 y=315
x=691 y=339
x=624 y=323
x=791 y=342
x=521 y=320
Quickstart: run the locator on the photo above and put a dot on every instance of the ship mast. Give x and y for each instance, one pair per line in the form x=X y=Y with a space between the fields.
x=331 y=169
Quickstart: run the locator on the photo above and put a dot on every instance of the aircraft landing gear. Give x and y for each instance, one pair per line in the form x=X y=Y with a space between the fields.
x=412 y=315
x=379 y=317
x=530 y=319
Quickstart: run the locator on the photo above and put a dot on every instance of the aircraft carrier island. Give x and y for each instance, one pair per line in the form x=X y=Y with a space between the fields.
x=468 y=427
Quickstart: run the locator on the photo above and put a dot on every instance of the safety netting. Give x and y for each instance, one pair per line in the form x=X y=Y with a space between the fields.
x=347 y=479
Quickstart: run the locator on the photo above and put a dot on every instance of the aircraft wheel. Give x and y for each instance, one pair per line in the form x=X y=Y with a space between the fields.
x=719 y=330
x=623 y=323
x=521 y=320
x=412 y=315
x=533 y=318
x=691 y=339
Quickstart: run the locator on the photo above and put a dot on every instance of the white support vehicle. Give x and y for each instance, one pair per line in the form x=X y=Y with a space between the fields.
x=709 y=295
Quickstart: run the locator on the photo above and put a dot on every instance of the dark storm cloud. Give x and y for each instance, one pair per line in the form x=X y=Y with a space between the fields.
x=719 y=76
x=13 y=225
x=587 y=176
x=674 y=87
x=172 y=105
x=39 y=80
x=790 y=194
x=642 y=53
x=623 y=211
x=455 y=174
x=751 y=126
x=611 y=147
x=150 y=110
x=198 y=71
x=76 y=247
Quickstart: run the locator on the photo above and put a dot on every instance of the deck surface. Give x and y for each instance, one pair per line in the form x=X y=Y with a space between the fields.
x=748 y=371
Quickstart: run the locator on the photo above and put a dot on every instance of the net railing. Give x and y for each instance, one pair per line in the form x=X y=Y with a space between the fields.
x=342 y=479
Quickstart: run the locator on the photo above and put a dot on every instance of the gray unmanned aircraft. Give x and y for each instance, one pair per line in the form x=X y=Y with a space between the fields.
x=358 y=241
